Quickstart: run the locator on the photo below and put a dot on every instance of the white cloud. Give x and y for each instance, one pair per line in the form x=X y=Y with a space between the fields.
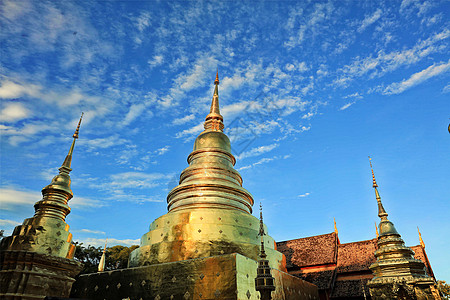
x=446 y=89
x=369 y=20
x=156 y=61
x=417 y=78
x=163 y=150
x=111 y=242
x=387 y=62
x=10 y=198
x=257 y=151
x=102 y=143
x=8 y=223
x=184 y=119
x=135 y=111
x=345 y=106
x=308 y=115
x=13 y=112
x=91 y=231
x=264 y=161
x=137 y=180
x=143 y=21
x=190 y=132
x=304 y=195
x=10 y=89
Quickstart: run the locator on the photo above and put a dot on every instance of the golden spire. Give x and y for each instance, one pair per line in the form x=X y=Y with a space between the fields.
x=261 y=232
x=381 y=212
x=335 y=227
x=376 y=229
x=68 y=159
x=101 y=264
x=420 y=238
x=214 y=120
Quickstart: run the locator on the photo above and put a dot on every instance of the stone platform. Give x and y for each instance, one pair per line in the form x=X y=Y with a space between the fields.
x=28 y=275
x=230 y=276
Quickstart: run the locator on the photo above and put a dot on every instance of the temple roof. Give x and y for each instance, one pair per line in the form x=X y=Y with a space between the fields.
x=309 y=251
x=356 y=256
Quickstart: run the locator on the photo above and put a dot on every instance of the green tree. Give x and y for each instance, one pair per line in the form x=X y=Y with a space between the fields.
x=444 y=288
x=89 y=256
x=116 y=257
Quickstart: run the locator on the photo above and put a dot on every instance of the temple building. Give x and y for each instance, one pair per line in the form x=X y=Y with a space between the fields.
x=37 y=259
x=210 y=246
x=368 y=269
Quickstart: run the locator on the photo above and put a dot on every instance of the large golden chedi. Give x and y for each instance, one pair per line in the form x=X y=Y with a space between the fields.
x=207 y=245
x=209 y=211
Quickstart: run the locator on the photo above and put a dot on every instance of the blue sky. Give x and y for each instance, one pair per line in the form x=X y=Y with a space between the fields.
x=308 y=90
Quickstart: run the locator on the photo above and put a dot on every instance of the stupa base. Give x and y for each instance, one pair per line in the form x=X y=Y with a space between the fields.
x=230 y=276
x=31 y=276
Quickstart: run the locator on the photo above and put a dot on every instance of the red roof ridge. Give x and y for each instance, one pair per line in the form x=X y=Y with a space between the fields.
x=365 y=241
x=308 y=237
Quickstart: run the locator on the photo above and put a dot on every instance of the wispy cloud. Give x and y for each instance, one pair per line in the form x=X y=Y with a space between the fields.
x=91 y=231
x=190 y=132
x=257 y=151
x=384 y=62
x=100 y=242
x=264 y=161
x=184 y=119
x=8 y=223
x=304 y=195
x=417 y=78
x=13 y=112
x=369 y=20
x=12 y=199
x=163 y=150
x=345 y=106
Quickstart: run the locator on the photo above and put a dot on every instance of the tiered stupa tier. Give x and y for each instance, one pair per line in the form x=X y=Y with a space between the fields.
x=209 y=212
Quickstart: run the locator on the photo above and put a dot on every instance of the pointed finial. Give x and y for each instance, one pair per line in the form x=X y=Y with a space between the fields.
x=75 y=135
x=261 y=223
x=101 y=264
x=335 y=227
x=420 y=238
x=373 y=174
x=381 y=212
x=216 y=82
x=68 y=159
x=376 y=229
x=214 y=120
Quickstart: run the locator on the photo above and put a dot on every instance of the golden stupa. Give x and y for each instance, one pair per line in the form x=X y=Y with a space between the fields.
x=37 y=259
x=397 y=274
x=209 y=212
x=208 y=244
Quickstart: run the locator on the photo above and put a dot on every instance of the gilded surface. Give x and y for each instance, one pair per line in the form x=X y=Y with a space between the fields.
x=209 y=212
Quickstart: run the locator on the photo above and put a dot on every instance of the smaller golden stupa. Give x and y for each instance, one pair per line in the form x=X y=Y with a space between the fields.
x=398 y=275
x=37 y=259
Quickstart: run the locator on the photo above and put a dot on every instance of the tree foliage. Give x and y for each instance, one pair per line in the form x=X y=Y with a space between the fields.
x=444 y=288
x=116 y=257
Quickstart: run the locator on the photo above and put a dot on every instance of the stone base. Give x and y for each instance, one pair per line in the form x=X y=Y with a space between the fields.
x=230 y=276
x=414 y=289
x=29 y=275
